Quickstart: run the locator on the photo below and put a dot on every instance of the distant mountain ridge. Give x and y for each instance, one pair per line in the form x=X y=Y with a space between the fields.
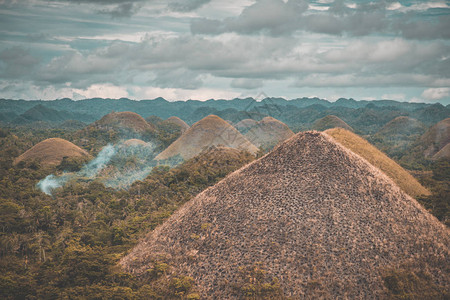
x=300 y=113
x=46 y=114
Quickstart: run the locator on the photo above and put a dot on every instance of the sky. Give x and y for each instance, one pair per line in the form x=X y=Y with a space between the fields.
x=203 y=49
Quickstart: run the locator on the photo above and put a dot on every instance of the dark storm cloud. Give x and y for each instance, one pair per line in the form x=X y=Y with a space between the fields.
x=272 y=16
x=67 y=47
x=423 y=30
x=246 y=83
x=180 y=62
x=186 y=5
x=127 y=8
x=16 y=62
x=276 y=17
x=177 y=78
x=101 y=2
x=123 y=10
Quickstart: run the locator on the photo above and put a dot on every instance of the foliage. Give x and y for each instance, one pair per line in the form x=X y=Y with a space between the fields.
x=68 y=245
x=404 y=283
x=438 y=203
x=255 y=283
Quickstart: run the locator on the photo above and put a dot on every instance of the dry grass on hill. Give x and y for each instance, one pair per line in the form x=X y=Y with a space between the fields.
x=380 y=160
x=134 y=142
x=402 y=126
x=330 y=121
x=177 y=121
x=210 y=131
x=317 y=217
x=51 y=152
x=124 y=120
x=268 y=132
x=245 y=124
x=436 y=138
x=444 y=153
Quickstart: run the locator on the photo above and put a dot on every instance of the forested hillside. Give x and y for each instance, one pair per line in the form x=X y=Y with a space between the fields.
x=68 y=244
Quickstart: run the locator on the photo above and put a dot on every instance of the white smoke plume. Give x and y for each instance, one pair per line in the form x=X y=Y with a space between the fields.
x=111 y=166
x=52 y=182
x=91 y=169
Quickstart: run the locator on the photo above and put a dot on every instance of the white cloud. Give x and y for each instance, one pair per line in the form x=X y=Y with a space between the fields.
x=173 y=94
x=374 y=80
x=103 y=90
x=422 y=6
x=394 y=6
x=416 y=100
x=398 y=97
x=436 y=93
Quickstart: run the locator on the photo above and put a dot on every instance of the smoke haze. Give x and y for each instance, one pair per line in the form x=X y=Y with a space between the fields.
x=116 y=166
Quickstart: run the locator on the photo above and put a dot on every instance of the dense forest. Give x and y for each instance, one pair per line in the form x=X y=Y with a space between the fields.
x=69 y=243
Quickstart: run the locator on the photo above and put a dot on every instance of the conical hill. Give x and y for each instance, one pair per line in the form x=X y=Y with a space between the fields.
x=444 y=153
x=311 y=213
x=125 y=120
x=177 y=121
x=330 y=121
x=268 y=132
x=210 y=131
x=380 y=160
x=245 y=124
x=402 y=126
x=51 y=152
x=435 y=138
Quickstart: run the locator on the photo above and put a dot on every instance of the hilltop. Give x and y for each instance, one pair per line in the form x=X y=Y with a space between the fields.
x=51 y=152
x=268 y=132
x=210 y=131
x=123 y=121
x=330 y=121
x=444 y=153
x=177 y=121
x=245 y=124
x=318 y=219
x=402 y=125
x=435 y=138
x=380 y=160
x=113 y=127
x=398 y=135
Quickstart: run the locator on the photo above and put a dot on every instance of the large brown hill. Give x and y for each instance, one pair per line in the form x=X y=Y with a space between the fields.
x=330 y=121
x=380 y=160
x=124 y=120
x=402 y=125
x=435 y=138
x=113 y=127
x=50 y=152
x=268 y=132
x=245 y=124
x=210 y=131
x=444 y=153
x=177 y=121
x=313 y=214
x=398 y=135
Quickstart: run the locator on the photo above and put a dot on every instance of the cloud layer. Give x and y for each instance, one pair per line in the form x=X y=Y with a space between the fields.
x=183 y=49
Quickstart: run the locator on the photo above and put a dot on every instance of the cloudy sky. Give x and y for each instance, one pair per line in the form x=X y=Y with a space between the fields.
x=201 y=49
